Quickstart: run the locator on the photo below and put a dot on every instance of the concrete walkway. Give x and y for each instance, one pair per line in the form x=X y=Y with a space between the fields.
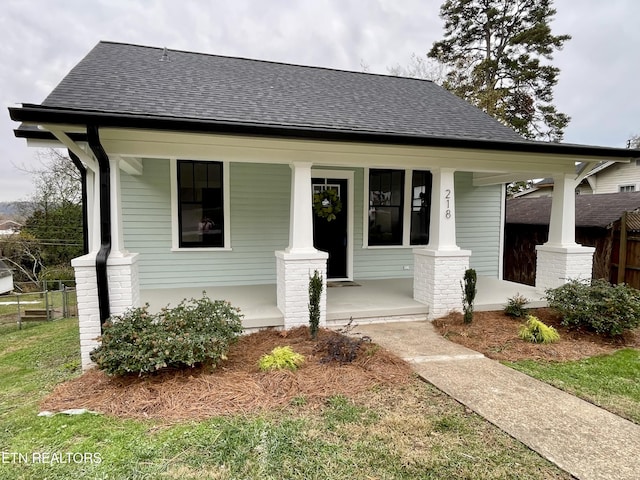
x=582 y=439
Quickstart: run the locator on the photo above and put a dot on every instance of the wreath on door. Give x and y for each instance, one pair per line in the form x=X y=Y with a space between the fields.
x=326 y=204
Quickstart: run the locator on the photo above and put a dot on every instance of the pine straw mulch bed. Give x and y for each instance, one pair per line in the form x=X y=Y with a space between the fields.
x=496 y=335
x=236 y=385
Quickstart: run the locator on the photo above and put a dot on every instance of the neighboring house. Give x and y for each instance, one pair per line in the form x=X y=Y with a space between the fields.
x=527 y=225
x=605 y=177
x=201 y=172
x=9 y=227
x=6 y=278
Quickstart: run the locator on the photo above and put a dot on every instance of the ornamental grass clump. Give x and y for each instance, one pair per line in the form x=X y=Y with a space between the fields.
x=195 y=332
x=535 y=331
x=597 y=305
x=515 y=306
x=280 y=358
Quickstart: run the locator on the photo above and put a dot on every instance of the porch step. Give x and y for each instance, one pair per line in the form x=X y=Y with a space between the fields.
x=36 y=315
x=403 y=314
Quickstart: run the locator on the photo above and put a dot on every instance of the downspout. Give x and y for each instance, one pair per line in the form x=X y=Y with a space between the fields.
x=93 y=138
x=85 y=215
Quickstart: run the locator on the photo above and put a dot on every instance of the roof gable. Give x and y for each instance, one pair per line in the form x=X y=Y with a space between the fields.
x=128 y=79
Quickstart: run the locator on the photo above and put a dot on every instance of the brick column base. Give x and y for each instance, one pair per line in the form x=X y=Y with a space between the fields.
x=556 y=266
x=293 y=272
x=124 y=293
x=436 y=279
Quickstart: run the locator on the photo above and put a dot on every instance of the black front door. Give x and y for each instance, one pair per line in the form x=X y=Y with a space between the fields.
x=331 y=236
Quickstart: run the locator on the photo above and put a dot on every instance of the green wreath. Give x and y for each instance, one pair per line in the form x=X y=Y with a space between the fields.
x=326 y=204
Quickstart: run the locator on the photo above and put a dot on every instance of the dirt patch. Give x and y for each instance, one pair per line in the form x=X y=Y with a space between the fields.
x=496 y=335
x=236 y=385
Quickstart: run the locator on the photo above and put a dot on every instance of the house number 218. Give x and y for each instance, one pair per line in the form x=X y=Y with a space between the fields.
x=447 y=199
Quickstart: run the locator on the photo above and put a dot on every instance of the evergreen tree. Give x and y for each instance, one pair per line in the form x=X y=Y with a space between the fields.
x=498 y=54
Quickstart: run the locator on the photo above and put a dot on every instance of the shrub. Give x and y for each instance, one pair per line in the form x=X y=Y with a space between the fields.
x=515 y=306
x=194 y=332
x=340 y=348
x=598 y=306
x=279 y=358
x=315 y=292
x=537 y=332
x=468 y=293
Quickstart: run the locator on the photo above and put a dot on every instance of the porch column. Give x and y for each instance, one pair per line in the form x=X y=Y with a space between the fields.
x=122 y=268
x=298 y=262
x=561 y=259
x=439 y=267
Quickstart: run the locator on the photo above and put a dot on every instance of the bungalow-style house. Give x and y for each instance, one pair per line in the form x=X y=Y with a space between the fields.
x=223 y=174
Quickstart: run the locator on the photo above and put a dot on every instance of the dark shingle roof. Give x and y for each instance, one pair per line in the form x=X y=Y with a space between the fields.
x=591 y=210
x=128 y=79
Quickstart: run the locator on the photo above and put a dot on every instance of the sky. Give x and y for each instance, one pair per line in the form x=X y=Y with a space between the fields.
x=41 y=40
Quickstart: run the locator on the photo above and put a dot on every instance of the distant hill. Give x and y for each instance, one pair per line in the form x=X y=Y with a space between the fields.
x=13 y=209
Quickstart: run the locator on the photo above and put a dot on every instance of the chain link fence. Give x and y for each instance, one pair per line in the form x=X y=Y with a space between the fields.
x=42 y=306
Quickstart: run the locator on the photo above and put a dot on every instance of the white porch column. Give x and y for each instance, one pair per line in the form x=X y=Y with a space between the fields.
x=117 y=237
x=297 y=263
x=439 y=267
x=122 y=267
x=561 y=259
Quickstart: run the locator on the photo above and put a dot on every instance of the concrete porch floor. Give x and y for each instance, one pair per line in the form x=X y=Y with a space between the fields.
x=369 y=301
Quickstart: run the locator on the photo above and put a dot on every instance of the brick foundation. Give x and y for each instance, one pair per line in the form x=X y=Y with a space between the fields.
x=556 y=266
x=436 y=279
x=293 y=272
x=124 y=293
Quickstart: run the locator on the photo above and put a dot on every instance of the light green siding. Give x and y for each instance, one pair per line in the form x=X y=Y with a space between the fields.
x=478 y=223
x=259 y=226
x=375 y=263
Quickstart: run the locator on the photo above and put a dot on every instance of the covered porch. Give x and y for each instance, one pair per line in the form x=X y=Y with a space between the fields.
x=366 y=301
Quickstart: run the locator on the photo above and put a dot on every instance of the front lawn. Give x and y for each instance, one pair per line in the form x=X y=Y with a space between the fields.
x=609 y=381
x=407 y=431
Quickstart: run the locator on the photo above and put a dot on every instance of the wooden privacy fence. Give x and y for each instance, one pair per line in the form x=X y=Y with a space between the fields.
x=625 y=250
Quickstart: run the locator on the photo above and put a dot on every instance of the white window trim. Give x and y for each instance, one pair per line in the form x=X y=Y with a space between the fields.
x=622 y=185
x=226 y=198
x=406 y=211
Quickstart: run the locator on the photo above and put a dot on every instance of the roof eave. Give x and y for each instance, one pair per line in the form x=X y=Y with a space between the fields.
x=38 y=114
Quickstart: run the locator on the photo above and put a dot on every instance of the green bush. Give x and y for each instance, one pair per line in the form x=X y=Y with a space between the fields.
x=194 y=332
x=279 y=358
x=537 y=332
x=469 y=293
x=597 y=305
x=515 y=306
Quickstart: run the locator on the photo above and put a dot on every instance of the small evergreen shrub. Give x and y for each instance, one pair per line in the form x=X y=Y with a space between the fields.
x=597 y=305
x=468 y=293
x=315 y=292
x=279 y=358
x=194 y=332
x=537 y=332
x=515 y=306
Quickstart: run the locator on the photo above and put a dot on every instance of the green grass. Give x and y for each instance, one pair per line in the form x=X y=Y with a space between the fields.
x=410 y=432
x=609 y=381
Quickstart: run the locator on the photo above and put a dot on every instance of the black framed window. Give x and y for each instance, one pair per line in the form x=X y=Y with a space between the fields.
x=386 y=198
x=421 y=182
x=200 y=204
